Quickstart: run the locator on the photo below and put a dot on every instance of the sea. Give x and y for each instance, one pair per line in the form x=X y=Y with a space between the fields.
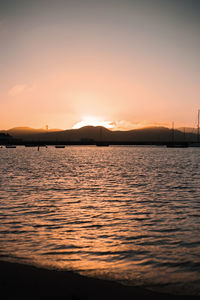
x=125 y=213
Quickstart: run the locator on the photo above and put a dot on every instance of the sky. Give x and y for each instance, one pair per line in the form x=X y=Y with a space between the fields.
x=120 y=63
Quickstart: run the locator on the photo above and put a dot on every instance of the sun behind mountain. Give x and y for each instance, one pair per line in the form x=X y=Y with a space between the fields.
x=92 y=121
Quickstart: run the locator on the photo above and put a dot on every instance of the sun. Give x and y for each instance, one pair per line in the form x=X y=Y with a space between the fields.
x=92 y=121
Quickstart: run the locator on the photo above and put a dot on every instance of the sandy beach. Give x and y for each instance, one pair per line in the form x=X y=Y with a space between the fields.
x=19 y=281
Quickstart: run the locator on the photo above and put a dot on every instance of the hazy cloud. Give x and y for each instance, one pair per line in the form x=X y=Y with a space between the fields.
x=128 y=125
x=19 y=89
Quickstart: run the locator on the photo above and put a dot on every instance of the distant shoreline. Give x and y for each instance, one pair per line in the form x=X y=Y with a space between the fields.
x=111 y=143
x=91 y=135
x=20 y=281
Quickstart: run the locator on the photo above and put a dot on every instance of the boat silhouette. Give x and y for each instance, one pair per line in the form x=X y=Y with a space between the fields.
x=60 y=146
x=10 y=146
x=197 y=144
x=174 y=144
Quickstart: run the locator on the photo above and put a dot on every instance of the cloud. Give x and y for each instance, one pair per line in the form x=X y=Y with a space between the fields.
x=128 y=125
x=18 y=89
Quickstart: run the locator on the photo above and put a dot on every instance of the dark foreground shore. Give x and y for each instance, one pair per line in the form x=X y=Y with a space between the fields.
x=18 y=281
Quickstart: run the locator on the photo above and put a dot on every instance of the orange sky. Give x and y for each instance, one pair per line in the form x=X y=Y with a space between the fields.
x=128 y=63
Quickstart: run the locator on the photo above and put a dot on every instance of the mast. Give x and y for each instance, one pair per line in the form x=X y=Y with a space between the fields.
x=184 y=134
x=173 y=132
x=198 y=137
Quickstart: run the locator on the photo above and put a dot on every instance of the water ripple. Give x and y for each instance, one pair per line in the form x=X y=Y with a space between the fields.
x=125 y=213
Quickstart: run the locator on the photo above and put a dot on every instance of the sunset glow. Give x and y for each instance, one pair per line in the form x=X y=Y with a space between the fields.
x=92 y=121
x=61 y=60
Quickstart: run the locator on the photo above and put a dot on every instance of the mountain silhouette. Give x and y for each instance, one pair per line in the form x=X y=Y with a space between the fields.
x=27 y=132
x=99 y=133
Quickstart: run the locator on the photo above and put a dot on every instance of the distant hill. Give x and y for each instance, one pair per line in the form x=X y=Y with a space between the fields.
x=98 y=133
x=188 y=129
x=28 y=132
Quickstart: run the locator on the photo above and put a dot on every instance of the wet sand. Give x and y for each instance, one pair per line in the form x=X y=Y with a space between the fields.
x=19 y=281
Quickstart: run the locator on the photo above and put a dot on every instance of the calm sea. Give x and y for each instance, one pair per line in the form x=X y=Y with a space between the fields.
x=131 y=214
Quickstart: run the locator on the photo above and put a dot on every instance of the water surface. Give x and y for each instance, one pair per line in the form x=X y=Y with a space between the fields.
x=125 y=213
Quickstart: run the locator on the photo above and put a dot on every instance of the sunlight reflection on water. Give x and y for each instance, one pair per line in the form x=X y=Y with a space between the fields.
x=126 y=213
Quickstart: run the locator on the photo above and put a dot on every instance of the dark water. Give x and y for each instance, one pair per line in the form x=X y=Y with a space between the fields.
x=127 y=213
